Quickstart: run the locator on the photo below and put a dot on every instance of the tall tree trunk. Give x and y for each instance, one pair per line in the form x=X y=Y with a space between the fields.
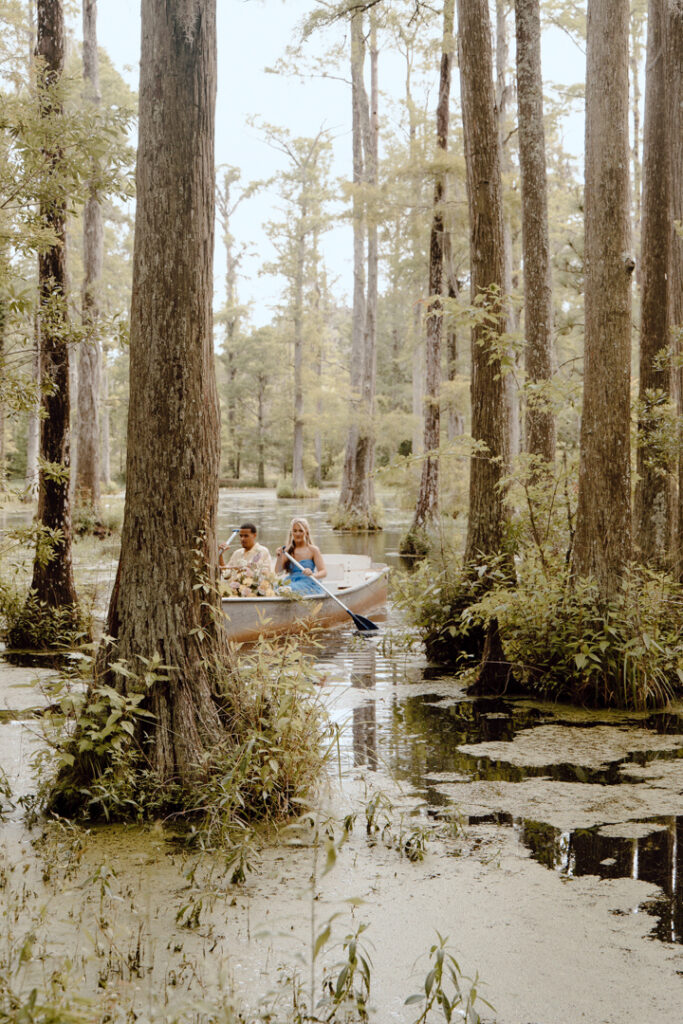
x=169 y=528
x=603 y=520
x=33 y=426
x=674 y=37
x=89 y=362
x=427 y=506
x=53 y=581
x=370 y=333
x=260 y=432
x=298 y=480
x=538 y=306
x=503 y=91
x=105 y=431
x=3 y=450
x=350 y=472
x=487 y=514
x=652 y=499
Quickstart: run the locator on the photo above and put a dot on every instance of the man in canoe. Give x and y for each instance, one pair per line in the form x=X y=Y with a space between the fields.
x=251 y=553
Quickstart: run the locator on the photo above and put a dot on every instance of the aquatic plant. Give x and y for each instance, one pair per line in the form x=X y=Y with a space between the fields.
x=446 y=988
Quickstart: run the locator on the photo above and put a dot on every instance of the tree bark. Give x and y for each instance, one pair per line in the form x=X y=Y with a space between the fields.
x=652 y=498
x=105 y=424
x=603 y=520
x=538 y=307
x=487 y=514
x=89 y=361
x=427 y=506
x=298 y=479
x=674 y=36
x=349 y=483
x=503 y=91
x=355 y=499
x=33 y=427
x=370 y=334
x=169 y=531
x=53 y=581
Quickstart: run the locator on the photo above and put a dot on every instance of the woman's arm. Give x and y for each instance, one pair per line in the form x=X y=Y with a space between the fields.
x=320 y=570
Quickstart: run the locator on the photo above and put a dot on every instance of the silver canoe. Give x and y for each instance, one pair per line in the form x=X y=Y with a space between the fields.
x=357 y=581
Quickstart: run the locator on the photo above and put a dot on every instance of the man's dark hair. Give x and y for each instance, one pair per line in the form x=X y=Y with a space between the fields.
x=249 y=526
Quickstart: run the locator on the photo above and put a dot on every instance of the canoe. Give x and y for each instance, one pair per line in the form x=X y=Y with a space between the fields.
x=357 y=581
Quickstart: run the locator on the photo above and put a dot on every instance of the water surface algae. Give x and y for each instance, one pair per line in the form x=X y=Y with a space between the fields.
x=117 y=924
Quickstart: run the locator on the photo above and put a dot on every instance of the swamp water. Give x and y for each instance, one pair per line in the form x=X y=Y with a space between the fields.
x=551 y=842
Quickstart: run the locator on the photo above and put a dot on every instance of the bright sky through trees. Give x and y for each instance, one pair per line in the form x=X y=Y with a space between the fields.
x=253 y=35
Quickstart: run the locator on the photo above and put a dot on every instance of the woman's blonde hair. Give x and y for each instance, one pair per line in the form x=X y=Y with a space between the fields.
x=303 y=523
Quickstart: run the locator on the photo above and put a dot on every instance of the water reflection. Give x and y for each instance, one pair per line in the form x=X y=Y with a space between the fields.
x=364 y=725
x=656 y=857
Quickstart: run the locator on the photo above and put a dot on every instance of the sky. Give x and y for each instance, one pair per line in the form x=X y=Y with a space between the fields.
x=253 y=35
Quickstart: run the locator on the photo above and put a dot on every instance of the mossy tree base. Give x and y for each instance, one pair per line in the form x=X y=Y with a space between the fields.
x=495 y=677
x=357 y=521
x=39 y=634
x=415 y=543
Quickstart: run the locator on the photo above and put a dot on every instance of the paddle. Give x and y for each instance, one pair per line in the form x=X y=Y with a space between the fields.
x=361 y=623
x=229 y=542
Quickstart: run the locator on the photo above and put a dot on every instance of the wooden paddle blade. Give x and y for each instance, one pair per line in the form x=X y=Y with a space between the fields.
x=363 y=624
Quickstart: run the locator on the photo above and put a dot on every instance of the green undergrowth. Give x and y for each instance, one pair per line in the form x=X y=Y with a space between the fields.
x=356 y=521
x=90 y=521
x=84 y=945
x=562 y=640
x=440 y=599
x=285 y=489
x=96 y=764
x=35 y=633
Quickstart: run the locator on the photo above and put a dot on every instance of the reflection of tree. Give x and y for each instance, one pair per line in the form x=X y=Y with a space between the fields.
x=548 y=845
x=656 y=858
x=364 y=717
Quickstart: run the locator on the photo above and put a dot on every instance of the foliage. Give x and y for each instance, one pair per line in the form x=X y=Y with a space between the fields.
x=89 y=521
x=565 y=642
x=443 y=988
x=261 y=771
x=440 y=599
x=352 y=521
x=35 y=632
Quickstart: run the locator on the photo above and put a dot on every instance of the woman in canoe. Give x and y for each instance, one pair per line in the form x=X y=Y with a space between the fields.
x=301 y=547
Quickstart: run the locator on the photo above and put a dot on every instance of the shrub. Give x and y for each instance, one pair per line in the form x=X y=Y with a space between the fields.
x=35 y=631
x=561 y=638
x=355 y=522
x=440 y=599
x=286 y=490
x=566 y=642
x=268 y=760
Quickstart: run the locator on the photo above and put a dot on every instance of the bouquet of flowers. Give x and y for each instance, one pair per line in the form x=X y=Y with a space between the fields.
x=249 y=581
